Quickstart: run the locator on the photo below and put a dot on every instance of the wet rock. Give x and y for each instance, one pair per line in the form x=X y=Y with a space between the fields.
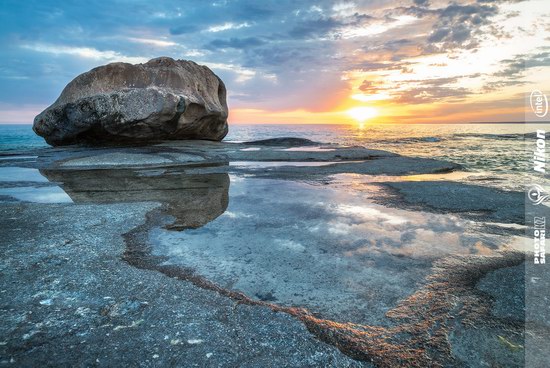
x=507 y=288
x=123 y=308
x=60 y=335
x=120 y=102
x=283 y=141
x=471 y=201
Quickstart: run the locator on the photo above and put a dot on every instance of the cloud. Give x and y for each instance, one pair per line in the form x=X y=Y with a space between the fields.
x=240 y=74
x=152 y=42
x=395 y=45
x=185 y=29
x=227 y=26
x=513 y=70
x=273 y=55
x=85 y=52
x=431 y=94
x=367 y=86
x=458 y=26
x=421 y=2
x=235 y=43
x=515 y=67
x=314 y=28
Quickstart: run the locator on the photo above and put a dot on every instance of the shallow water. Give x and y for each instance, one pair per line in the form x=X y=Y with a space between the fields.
x=48 y=194
x=15 y=174
x=333 y=251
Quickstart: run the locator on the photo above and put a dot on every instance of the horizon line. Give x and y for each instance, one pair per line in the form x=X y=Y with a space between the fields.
x=366 y=123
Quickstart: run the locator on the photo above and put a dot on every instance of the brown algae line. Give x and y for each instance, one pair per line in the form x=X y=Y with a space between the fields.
x=424 y=314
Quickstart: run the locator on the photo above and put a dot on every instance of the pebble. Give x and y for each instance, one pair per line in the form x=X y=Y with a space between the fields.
x=46 y=302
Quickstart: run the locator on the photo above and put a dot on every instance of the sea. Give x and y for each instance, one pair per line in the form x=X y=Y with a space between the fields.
x=500 y=154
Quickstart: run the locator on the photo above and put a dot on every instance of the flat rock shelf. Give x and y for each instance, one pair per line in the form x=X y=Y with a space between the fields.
x=282 y=252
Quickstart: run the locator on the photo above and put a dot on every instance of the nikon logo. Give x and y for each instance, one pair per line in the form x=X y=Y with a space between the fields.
x=539 y=154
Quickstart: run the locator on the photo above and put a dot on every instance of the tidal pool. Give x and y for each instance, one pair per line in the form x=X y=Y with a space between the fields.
x=14 y=173
x=327 y=248
x=29 y=185
x=47 y=194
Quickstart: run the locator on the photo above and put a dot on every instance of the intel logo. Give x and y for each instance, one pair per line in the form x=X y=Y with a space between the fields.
x=539 y=103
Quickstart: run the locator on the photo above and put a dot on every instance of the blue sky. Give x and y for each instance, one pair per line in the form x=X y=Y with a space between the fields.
x=288 y=61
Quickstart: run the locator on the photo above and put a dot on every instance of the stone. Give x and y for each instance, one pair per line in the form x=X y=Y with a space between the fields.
x=283 y=141
x=163 y=99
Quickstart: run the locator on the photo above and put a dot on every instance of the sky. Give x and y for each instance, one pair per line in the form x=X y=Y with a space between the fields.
x=378 y=61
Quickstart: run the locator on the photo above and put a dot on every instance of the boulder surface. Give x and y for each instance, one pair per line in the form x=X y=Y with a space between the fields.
x=125 y=103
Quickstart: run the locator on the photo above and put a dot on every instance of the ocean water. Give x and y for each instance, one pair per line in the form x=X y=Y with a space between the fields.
x=16 y=137
x=501 y=153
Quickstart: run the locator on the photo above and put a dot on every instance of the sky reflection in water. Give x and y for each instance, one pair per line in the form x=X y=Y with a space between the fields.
x=327 y=248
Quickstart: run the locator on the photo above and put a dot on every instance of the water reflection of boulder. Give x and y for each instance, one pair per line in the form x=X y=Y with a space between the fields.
x=193 y=200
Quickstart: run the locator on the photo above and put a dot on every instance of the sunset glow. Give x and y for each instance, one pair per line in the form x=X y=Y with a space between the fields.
x=361 y=114
x=415 y=62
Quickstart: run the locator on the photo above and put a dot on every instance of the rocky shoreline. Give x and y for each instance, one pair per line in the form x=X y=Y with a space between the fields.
x=96 y=294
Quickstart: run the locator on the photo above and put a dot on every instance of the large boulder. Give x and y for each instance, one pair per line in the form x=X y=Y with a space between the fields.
x=124 y=103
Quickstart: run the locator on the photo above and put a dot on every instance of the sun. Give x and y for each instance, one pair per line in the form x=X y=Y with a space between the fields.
x=362 y=113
